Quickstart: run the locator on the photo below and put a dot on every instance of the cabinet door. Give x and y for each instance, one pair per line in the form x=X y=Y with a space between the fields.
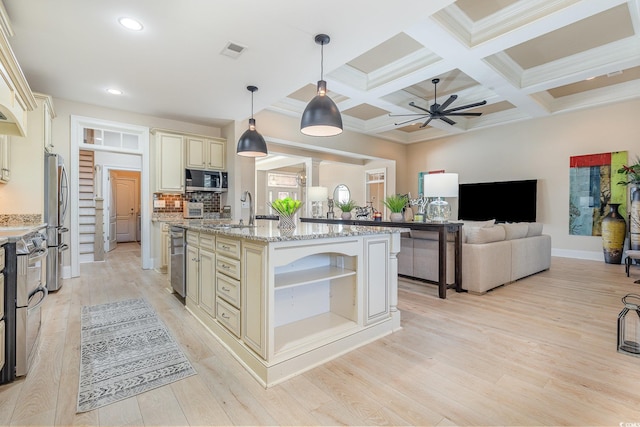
x=5 y=158
x=216 y=155
x=193 y=260
x=376 y=279
x=46 y=110
x=253 y=297
x=207 y=294
x=195 y=153
x=164 y=248
x=170 y=165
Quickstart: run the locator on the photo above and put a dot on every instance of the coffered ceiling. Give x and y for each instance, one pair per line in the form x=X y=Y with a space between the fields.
x=526 y=58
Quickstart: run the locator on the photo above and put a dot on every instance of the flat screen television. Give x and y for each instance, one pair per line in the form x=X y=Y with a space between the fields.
x=506 y=201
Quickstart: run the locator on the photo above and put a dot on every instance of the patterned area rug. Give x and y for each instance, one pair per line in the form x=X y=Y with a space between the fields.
x=126 y=350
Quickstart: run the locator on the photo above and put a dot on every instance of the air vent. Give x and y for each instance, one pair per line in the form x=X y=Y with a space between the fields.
x=233 y=50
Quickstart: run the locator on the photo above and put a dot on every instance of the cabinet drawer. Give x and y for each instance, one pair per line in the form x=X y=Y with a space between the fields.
x=228 y=266
x=207 y=241
x=2 y=344
x=192 y=238
x=227 y=247
x=228 y=316
x=2 y=258
x=228 y=288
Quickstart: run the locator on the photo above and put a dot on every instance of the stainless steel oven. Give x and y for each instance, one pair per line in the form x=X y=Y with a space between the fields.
x=31 y=292
x=176 y=258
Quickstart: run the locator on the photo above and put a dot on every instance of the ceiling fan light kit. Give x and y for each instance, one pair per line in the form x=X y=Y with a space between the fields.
x=439 y=111
x=251 y=143
x=321 y=117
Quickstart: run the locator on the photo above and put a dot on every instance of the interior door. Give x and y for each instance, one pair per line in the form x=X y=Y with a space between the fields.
x=113 y=242
x=125 y=209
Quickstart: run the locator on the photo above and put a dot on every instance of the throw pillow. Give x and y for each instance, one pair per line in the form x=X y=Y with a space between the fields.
x=479 y=235
x=474 y=224
x=535 y=229
x=515 y=231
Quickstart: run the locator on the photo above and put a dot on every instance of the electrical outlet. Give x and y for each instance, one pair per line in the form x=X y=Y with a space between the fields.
x=159 y=203
x=176 y=204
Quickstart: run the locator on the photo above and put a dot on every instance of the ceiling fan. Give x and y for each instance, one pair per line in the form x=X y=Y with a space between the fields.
x=439 y=111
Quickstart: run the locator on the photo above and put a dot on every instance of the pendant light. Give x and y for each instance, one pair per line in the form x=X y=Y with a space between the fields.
x=251 y=143
x=321 y=117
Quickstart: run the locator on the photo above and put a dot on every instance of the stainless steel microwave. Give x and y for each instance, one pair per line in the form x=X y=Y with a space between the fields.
x=199 y=180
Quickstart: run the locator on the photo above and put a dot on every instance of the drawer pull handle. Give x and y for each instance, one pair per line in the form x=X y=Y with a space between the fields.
x=225 y=247
x=226 y=289
x=224 y=316
x=225 y=266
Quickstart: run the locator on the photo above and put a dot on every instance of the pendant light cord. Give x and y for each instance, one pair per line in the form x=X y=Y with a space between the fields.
x=322 y=61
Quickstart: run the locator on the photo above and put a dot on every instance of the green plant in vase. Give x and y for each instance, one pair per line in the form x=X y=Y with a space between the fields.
x=632 y=173
x=286 y=209
x=396 y=203
x=346 y=208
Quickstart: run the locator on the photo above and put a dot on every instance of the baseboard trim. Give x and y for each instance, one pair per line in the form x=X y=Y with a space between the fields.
x=569 y=253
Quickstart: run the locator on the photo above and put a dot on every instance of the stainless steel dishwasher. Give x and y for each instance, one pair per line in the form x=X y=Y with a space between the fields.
x=176 y=258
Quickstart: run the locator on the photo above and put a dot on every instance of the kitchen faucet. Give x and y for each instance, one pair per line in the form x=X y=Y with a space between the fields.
x=251 y=213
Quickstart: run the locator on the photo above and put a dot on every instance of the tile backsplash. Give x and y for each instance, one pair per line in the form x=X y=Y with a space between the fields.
x=211 y=201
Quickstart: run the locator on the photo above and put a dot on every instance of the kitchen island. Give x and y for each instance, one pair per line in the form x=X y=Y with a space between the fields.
x=283 y=302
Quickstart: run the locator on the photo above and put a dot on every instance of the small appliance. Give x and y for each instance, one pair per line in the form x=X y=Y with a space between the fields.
x=192 y=210
x=199 y=180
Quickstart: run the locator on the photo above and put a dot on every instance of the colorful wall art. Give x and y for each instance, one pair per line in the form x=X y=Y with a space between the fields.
x=592 y=186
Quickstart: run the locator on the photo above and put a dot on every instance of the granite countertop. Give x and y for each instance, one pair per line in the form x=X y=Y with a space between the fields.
x=268 y=231
x=15 y=232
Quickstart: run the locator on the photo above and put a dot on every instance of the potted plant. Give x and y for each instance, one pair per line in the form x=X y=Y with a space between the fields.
x=632 y=173
x=346 y=208
x=396 y=204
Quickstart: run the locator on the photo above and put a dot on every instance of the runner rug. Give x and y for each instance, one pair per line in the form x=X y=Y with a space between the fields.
x=125 y=350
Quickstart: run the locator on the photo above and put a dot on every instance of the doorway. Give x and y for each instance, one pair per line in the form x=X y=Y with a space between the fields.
x=123 y=207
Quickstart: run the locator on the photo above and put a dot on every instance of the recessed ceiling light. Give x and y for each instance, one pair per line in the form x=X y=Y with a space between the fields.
x=114 y=91
x=130 y=24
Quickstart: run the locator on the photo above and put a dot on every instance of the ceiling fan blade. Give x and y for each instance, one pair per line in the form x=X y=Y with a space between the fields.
x=413 y=104
x=407 y=115
x=448 y=102
x=477 y=104
x=464 y=114
x=447 y=120
x=411 y=120
x=426 y=123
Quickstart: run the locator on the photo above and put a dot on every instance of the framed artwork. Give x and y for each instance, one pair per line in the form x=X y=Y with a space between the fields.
x=421 y=180
x=593 y=185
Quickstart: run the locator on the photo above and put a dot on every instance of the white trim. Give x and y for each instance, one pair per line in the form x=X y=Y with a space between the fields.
x=106 y=170
x=77 y=125
x=569 y=253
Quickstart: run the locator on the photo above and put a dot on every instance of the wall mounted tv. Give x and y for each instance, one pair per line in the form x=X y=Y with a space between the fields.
x=506 y=201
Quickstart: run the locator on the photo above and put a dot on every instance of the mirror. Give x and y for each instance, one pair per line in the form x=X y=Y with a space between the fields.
x=341 y=193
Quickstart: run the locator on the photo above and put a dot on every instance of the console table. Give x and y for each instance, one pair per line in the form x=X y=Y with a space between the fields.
x=442 y=228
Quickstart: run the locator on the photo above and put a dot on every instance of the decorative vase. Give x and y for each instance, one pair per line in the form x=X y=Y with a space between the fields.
x=634 y=217
x=614 y=228
x=287 y=222
x=396 y=217
x=346 y=216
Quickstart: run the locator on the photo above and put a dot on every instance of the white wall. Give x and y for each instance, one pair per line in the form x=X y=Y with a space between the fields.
x=536 y=149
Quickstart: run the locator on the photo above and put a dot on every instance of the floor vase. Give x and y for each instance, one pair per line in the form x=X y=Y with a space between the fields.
x=614 y=228
x=634 y=217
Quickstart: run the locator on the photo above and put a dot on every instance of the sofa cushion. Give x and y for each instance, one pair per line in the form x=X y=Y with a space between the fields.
x=479 y=235
x=466 y=225
x=515 y=231
x=535 y=229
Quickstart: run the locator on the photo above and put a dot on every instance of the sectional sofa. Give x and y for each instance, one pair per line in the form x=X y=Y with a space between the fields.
x=492 y=254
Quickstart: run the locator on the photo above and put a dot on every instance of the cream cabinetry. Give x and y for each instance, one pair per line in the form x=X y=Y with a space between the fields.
x=5 y=158
x=205 y=153
x=200 y=271
x=40 y=121
x=169 y=162
x=285 y=305
x=2 y=328
x=164 y=248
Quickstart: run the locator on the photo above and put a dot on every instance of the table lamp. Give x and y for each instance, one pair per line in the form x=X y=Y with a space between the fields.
x=440 y=185
x=316 y=196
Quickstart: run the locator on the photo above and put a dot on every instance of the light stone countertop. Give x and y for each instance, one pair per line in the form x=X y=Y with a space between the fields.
x=268 y=231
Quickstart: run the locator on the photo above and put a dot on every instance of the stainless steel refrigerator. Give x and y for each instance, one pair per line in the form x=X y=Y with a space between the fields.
x=56 y=202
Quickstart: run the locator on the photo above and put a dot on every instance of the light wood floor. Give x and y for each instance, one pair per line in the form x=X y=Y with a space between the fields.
x=537 y=352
